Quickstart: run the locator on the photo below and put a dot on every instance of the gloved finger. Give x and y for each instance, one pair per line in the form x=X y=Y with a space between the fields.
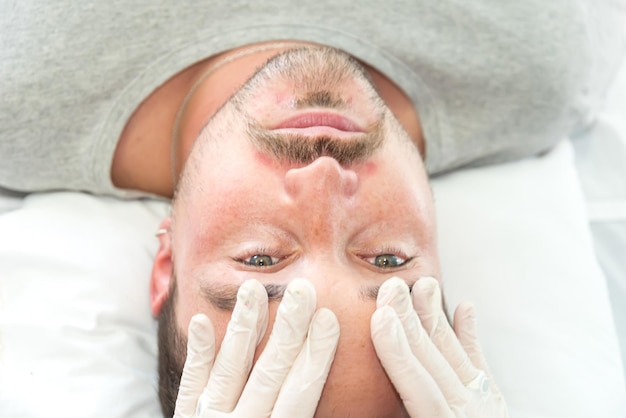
x=415 y=385
x=285 y=342
x=465 y=329
x=234 y=359
x=200 y=356
x=303 y=386
x=395 y=293
x=427 y=303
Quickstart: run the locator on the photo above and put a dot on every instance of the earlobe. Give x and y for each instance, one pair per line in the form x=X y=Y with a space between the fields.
x=161 y=269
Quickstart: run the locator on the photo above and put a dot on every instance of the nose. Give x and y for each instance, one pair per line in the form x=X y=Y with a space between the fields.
x=323 y=177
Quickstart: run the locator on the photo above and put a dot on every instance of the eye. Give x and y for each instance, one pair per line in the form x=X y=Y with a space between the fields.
x=387 y=261
x=260 y=260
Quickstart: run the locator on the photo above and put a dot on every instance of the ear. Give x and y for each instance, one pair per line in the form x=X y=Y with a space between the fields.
x=161 y=269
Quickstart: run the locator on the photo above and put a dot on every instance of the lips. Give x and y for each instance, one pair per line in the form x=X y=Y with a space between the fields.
x=318 y=119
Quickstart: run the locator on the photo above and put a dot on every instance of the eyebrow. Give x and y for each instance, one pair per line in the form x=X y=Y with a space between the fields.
x=224 y=296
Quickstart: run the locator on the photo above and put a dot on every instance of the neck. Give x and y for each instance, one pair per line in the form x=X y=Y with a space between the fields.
x=147 y=157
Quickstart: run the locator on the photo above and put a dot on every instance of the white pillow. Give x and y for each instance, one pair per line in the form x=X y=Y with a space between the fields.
x=601 y=163
x=78 y=339
x=514 y=239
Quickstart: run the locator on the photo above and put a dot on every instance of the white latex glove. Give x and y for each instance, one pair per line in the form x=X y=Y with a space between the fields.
x=287 y=379
x=438 y=372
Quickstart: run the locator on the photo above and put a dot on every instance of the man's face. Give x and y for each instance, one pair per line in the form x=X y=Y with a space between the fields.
x=305 y=173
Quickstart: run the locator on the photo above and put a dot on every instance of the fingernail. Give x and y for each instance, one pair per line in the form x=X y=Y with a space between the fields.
x=324 y=325
x=386 y=332
x=295 y=311
x=199 y=330
x=299 y=295
x=246 y=294
x=246 y=308
x=471 y=315
x=429 y=288
x=393 y=292
x=427 y=301
x=260 y=298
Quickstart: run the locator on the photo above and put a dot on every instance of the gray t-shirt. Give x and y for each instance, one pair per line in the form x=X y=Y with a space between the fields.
x=492 y=79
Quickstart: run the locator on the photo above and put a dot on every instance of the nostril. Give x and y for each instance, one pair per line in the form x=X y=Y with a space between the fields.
x=350 y=183
x=324 y=175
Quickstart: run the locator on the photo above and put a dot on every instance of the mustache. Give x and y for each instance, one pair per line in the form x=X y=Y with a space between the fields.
x=324 y=99
x=293 y=148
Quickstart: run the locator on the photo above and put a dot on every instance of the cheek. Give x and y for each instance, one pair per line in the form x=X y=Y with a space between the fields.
x=264 y=160
x=370 y=168
x=219 y=319
x=220 y=324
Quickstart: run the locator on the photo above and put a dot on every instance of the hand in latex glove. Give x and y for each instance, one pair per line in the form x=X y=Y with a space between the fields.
x=288 y=377
x=438 y=372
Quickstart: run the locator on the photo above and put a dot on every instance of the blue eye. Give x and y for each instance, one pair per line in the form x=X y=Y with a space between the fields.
x=388 y=261
x=260 y=260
